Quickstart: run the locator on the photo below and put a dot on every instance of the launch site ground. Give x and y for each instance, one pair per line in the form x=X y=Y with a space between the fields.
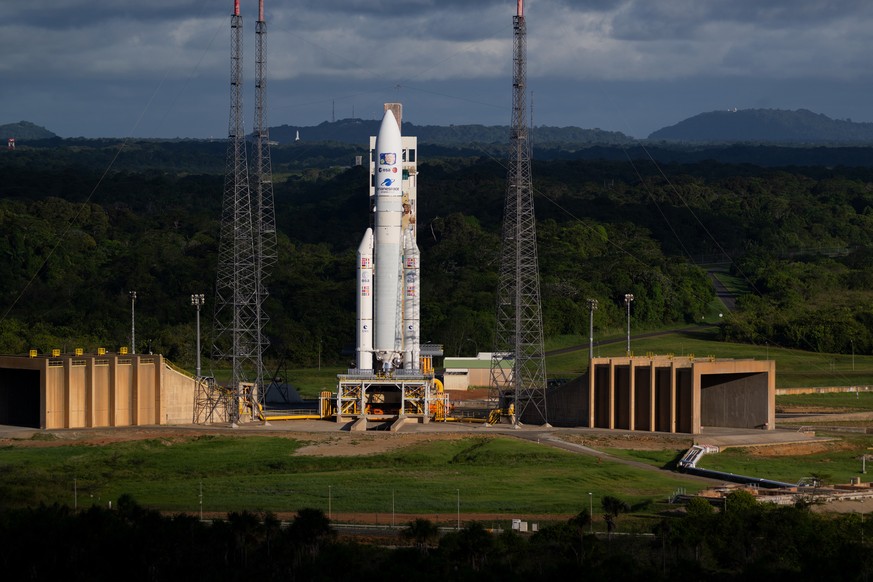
x=640 y=452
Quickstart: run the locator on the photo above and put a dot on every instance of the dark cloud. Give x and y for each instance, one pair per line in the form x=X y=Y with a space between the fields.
x=72 y=14
x=96 y=64
x=683 y=19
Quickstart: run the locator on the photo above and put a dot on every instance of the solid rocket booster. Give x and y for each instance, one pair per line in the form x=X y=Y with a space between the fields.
x=411 y=343
x=365 y=302
x=388 y=176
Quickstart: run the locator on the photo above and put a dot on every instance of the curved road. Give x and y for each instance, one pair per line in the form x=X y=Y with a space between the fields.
x=549 y=438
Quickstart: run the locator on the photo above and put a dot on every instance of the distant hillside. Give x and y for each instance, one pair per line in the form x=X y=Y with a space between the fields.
x=24 y=131
x=766 y=125
x=358 y=131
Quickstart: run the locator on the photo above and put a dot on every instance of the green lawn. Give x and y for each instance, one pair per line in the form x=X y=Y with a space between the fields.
x=794 y=368
x=837 y=465
x=845 y=401
x=491 y=474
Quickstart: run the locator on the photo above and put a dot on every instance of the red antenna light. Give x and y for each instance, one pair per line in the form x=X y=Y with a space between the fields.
x=236 y=7
x=260 y=11
x=520 y=7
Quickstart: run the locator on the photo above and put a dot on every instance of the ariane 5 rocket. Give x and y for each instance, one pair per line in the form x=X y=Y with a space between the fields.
x=388 y=260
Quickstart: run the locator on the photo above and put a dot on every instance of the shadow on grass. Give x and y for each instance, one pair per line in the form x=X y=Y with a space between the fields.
x=673 y=463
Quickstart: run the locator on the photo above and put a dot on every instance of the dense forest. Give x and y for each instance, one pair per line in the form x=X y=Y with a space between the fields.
x=77 y=237
x=747 y=541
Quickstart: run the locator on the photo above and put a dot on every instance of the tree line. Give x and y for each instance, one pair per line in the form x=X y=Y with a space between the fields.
x=741 y=541
x=75 y=242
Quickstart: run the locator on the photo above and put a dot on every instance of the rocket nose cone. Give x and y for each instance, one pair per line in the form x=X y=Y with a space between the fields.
x=366 y=246
x=389 y=115
x=389 y=125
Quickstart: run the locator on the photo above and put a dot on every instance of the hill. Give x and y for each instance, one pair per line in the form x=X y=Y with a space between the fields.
x=766 y=125
x=24 y=130
x=358 y=131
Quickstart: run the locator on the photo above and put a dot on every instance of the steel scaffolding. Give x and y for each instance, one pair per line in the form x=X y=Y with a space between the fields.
x=519 y=332
x=262 y=186
x=236 y=332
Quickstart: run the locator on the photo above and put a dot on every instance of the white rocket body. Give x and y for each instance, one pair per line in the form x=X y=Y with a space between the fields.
x=388 y=175
x=389 y=287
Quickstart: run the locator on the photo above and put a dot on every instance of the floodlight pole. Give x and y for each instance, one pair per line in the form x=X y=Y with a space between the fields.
x=133 y=322
x=592 y=306
x=197 y=300
x=628 y=298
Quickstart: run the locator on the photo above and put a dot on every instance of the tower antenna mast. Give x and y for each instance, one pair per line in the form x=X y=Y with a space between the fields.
x=262 y=186
x=236 y=337
x=518 y=368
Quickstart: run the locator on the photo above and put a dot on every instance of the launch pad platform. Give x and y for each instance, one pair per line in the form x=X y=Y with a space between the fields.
x=411 y=394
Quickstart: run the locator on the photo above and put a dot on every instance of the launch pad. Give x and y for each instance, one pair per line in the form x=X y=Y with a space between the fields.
x=382 y=397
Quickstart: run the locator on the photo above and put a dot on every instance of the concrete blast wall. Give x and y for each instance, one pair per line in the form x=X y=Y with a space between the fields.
x=93 y=391
x=666 y=394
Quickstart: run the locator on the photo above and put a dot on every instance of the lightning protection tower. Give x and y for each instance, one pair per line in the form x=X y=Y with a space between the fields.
x=236 y=333
x=518 y=368
x=262 y=191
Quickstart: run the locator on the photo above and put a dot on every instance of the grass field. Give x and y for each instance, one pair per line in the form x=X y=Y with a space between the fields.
x=837 y=464
x=793 y=368
x=489 y=474
x=839 y=401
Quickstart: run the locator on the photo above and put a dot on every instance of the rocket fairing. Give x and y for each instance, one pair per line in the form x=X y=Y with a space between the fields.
x=388 y=178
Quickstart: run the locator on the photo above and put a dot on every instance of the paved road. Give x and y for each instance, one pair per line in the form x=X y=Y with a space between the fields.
x=551 y=439
x=728 y=298
x=720 y=437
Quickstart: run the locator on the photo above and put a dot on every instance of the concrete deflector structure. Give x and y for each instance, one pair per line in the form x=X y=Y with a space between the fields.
x=668 y=394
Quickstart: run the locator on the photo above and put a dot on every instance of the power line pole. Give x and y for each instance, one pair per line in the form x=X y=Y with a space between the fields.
x=518 y=362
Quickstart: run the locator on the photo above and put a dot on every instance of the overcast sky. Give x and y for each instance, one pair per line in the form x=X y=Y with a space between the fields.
x=160 y=68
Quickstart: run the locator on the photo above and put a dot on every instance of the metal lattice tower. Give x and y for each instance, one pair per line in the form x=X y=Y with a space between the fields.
x=518 y=367
x=262 y=191
x=236 y=335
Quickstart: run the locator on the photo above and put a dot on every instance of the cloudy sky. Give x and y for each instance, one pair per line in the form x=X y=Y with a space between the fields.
x=160 y=68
